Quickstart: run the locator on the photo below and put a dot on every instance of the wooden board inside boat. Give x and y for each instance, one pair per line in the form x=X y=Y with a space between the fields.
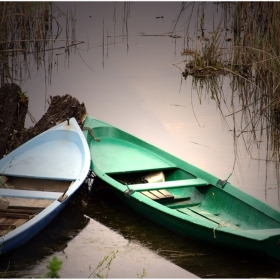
x=36 y=184
x=19 y=211
x=23 y=198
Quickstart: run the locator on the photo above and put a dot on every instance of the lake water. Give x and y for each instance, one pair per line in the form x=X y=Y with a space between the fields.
x=137 y=86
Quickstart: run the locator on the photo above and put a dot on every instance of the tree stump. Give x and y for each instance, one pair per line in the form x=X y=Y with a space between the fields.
x=13 y=109
x=61 y=108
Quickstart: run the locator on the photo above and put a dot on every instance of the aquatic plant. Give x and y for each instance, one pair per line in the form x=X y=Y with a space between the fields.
x=143 y=274
x=103 y=265
x=53 y=267
x=244 y=45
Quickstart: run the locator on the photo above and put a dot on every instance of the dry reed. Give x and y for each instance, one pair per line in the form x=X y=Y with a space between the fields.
x=29 y=34
x=245 y=44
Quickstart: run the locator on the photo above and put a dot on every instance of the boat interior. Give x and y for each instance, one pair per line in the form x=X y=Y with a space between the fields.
x=23 y=198
x=183 y=192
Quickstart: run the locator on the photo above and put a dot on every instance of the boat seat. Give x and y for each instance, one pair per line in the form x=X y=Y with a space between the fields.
x=168 y=185
x=158 y=195
x=30 y=194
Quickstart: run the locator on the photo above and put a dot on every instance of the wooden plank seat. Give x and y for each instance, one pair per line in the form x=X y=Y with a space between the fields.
x=168 y=185
x=7 y=226
x=15 y=215
x=21 y=210
x=181 y=204
x=30 y=194
x=158 y=195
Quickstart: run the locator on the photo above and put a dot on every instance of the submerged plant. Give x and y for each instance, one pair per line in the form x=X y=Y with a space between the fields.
x=143 y=274
x=103 y=265
x=53 y=268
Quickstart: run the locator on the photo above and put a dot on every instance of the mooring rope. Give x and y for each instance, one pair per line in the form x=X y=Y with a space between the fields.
x=91 y=133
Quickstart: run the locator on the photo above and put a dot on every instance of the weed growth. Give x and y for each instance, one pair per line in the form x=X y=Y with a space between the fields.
x=103 y=266
x=244 y=45
x=53 y=268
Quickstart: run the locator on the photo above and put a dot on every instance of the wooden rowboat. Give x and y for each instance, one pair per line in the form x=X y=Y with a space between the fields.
x=37 y=181
x=180 y=196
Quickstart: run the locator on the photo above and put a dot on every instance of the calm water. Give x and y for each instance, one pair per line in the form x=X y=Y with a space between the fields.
x=82 y=237
x=140 y=91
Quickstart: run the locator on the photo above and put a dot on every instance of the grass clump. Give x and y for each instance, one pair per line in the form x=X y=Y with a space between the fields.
x=53 y=268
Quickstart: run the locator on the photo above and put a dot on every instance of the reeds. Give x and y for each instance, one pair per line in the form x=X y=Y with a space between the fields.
x=245 y=44
x=29 y=33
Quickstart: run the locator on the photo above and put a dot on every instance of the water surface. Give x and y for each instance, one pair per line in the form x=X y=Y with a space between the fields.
x=135 y=86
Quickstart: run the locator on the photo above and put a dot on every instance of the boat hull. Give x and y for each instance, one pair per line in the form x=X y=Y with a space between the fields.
x=198 y=232
x=190 y=201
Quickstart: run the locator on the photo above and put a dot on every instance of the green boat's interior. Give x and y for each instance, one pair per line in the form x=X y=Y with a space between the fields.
x=118 y=151
x=202 y=201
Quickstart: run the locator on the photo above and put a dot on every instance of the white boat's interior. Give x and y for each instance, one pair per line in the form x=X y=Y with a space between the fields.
x=23 y=198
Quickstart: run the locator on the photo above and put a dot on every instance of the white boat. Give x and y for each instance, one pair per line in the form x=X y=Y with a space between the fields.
x=37 y=180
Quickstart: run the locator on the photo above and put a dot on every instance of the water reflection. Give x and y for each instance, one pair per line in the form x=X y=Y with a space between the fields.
x=196 y=257
x=82 y=238
x=82 y=254
x=140 y=91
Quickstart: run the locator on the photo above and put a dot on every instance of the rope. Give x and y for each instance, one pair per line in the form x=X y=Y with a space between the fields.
x=219 y=225
x=91 y=133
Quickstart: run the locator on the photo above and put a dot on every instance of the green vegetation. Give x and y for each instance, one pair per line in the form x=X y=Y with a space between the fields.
x=22 y=97
x=101 y=271
x=103 y=265
x=143 y=274
x=53 y=268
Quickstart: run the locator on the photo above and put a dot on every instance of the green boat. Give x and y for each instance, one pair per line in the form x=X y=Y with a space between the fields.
x=180 y=196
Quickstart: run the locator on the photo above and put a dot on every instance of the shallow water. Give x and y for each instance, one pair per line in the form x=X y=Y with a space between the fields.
x=141 y=91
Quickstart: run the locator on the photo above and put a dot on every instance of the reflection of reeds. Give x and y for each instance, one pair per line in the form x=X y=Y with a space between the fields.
x=26 y=31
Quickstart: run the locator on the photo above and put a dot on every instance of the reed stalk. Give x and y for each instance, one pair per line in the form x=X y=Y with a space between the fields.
x=30 y=33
